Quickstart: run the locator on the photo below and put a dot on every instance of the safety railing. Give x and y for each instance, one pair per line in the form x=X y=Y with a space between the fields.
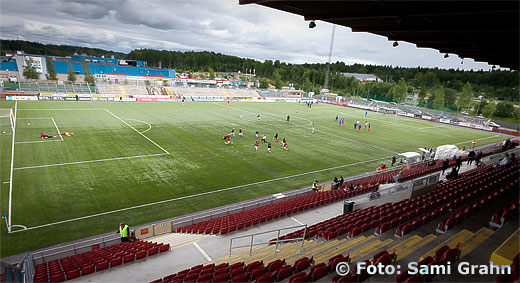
x=277 y=241
x=76 y=248
x=234 y=208
x=22 y=271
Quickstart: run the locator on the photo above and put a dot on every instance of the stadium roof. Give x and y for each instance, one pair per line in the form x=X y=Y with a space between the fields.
x=486 y=31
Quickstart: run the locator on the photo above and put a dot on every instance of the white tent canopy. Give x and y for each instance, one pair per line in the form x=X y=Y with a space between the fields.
x=410 y=154
x=448 y=151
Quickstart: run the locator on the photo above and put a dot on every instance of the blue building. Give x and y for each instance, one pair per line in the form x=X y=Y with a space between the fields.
x=97 y=66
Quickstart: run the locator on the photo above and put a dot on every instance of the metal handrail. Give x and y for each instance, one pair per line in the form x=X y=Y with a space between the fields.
x=73 y=247
x=278 y=241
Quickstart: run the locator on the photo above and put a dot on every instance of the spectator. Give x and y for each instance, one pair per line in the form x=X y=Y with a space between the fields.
x=479 y=158
x=315 y=186
x=397 y=177
x=513 y=158
x=458 y=163
x=341 y=180
x=351 y=187
x=453 y=174
x=124 y=231
x=504 y=161
x=445 y=165
x=133 y=237
x=471 y=156
x=336 y=183
x=394 y=158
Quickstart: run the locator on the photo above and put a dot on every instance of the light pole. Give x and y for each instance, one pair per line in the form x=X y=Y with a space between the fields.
x=478 y=108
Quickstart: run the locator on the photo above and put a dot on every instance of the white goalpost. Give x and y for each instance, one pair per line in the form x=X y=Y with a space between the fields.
x=8 y=126
x=6 y=121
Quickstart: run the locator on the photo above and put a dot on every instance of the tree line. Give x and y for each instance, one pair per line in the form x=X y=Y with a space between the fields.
x=451 y=89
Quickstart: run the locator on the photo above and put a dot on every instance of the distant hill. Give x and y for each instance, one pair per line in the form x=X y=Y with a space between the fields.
x=7 y=46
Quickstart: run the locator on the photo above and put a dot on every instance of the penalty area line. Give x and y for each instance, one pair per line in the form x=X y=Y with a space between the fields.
x=89 y=161
x=201 y=194
x=124 y=122
x=478 y=139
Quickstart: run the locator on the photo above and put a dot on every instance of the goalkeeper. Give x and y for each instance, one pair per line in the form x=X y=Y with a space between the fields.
x=44 y=136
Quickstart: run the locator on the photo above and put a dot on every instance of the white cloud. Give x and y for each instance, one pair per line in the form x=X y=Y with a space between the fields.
x=223 y=26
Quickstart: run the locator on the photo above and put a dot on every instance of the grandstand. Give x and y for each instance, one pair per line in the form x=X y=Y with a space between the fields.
x=65 y=87
x=413 y=111
x=470 y=218
x=109 y=89
x=411 y=237
x=199 y=94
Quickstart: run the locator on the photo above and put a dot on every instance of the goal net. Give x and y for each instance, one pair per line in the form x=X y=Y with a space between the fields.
x=7 y=122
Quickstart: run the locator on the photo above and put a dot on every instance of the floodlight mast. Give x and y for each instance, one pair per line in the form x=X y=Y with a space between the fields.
x=326 y=83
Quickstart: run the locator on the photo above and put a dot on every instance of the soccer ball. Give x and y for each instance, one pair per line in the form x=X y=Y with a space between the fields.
x=28 y=124
x=296 y=111
x=3 y=132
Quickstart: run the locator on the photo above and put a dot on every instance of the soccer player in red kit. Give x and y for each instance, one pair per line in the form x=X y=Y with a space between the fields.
x=228 y=138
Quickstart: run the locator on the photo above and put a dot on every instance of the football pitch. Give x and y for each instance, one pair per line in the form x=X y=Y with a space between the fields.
x=142 y=162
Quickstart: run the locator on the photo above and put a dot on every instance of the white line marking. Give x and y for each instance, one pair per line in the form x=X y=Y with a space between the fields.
x=89 y=161
x=12 y=169
x=296 y=221
x=137 y=131
x=353 y=140
x=59 y=134
x=66 y=109
x=270 y=114
x=479 y=139
x=21 y=226
x=205 y=193
x=41 y=141
x=39 y=118
x=202 y=251
x=423 y=128
x=383 y=120
x=6 y=182
x=149 y=125
x=360 y=142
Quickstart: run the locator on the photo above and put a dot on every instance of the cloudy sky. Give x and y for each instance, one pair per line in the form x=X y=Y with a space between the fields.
x=223 y=26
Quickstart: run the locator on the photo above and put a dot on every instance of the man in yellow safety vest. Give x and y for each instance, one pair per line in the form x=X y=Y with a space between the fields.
x=124 y=231
x=315 y=186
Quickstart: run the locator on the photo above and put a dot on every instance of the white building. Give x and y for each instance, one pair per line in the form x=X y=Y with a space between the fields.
x=364 y=77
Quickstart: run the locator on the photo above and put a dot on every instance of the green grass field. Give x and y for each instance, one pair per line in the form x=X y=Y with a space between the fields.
x=108 y=164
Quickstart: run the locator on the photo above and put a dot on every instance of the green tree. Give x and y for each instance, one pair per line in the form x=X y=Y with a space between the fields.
x=422 y=95
x=211 y=73
x=489 y=109
x=88 y=77
x=71 y=75
x=504 y=109
x=264 y=83
x=399 y=92
x=277 y=79
x=450 y=96
x=465 y=96
x=51 y=71
x=439 y=97
x=480 y=106
x=29 y=71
